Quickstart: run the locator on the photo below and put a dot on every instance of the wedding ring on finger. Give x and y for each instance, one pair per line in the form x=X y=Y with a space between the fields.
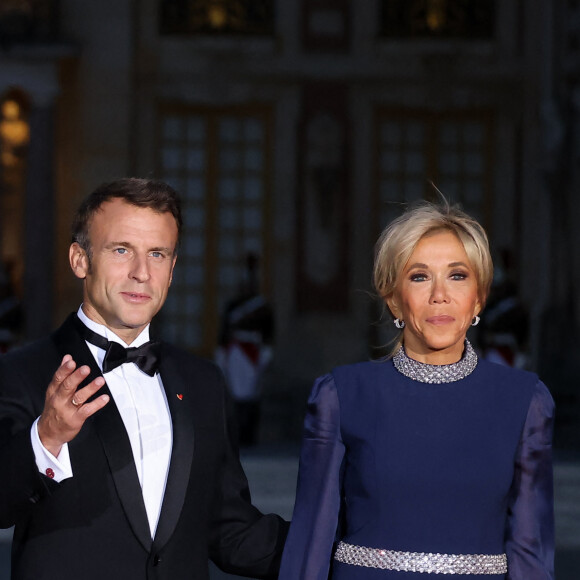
x=75 y=403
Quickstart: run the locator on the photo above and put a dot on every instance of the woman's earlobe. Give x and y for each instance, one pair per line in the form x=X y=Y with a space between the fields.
x=392 y=306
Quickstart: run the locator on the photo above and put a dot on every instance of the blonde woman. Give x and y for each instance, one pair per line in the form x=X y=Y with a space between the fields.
x=432 y=461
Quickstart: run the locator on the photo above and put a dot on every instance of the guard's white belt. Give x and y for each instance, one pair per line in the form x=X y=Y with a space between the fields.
x=421 y=561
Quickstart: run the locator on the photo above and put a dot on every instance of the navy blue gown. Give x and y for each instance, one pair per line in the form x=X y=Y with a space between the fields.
x=456 y=468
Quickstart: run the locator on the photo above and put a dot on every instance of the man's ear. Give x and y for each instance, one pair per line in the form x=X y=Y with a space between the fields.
x=79 y=261
x=172 y=267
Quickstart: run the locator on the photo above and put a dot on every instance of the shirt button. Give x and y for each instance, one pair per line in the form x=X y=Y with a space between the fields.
x=49 y=473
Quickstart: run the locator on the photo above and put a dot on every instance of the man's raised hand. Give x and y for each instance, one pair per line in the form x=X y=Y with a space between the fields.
x=66 y=409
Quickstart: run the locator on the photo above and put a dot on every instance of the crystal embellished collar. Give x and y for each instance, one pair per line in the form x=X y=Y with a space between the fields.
x=436 y=374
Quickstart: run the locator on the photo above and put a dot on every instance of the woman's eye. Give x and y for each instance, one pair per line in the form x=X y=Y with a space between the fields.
x=418 y=277
x=458 y=275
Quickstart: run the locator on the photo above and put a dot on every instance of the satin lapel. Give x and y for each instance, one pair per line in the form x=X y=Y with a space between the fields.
x=180 y=402
x=111 y=431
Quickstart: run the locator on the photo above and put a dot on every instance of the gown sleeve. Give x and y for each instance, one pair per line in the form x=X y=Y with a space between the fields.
x=530 y=528
x=308 y=550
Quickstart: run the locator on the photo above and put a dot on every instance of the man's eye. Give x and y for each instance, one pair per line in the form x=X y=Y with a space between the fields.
x=121 y=251
x=157 y=254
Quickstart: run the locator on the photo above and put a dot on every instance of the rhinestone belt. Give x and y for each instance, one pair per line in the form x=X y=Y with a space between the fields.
x=421 y=561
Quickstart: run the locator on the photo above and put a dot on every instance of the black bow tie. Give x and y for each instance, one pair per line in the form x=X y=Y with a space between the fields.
x=146 y=356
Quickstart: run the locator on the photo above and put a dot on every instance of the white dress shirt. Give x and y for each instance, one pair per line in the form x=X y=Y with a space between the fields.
x=142 y=403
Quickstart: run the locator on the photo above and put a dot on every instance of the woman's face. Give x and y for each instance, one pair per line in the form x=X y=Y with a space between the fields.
x=437 y=298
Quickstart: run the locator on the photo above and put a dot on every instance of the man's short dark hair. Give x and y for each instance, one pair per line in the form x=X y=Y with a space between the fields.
x=150 y=193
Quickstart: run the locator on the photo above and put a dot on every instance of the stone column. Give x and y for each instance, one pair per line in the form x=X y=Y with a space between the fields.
x=39 y=222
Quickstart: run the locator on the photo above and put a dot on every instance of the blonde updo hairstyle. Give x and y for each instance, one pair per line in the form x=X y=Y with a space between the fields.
x=399 y=239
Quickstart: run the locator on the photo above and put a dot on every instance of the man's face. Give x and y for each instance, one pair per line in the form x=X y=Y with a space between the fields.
x=133 y=255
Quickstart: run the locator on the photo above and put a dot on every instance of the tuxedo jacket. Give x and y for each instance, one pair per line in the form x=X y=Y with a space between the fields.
x=94 y=525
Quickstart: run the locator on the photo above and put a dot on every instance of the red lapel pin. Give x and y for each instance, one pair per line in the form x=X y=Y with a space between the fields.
x=180 y=396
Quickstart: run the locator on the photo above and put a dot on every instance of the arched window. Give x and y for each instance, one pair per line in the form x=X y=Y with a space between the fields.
x=219 y=161
x=452 y=148
x=245 y=17
x=14 y=138
x=464 y=19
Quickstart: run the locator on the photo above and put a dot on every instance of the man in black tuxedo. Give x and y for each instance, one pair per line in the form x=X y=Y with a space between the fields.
x=121 y=464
